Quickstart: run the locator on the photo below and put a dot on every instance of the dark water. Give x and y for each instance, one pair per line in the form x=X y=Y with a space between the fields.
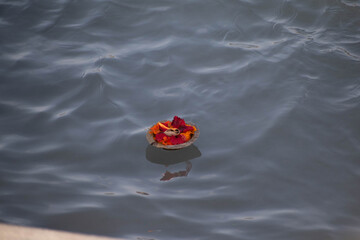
x=274 y=87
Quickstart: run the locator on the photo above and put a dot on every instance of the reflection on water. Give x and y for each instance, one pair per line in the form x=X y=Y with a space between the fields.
x=170 y=157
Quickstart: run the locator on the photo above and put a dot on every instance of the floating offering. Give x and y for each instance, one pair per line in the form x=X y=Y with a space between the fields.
x=173 y=134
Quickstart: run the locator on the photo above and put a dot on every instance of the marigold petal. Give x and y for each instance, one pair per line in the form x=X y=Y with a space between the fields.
x=155 y=129
x=187 y=136
x=162 y=127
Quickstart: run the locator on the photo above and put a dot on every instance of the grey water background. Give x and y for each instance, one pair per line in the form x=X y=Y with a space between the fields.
x=274 y=87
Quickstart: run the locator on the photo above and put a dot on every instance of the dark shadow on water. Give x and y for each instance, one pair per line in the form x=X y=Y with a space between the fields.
x=170 y=157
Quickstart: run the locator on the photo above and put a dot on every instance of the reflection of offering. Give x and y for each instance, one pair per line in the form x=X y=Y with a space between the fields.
x=169 y=175
x=175 y=134
x=166 y=158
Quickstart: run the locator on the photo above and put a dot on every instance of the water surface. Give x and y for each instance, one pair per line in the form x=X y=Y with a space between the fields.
x=274 y=87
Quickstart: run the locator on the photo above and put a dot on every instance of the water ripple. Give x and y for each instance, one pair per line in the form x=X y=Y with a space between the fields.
x=273 y=87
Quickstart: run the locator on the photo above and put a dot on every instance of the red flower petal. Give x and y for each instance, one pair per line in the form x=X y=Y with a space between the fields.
x=178 y=122
x=186 y=128
x=179 y=139
x=159 y=137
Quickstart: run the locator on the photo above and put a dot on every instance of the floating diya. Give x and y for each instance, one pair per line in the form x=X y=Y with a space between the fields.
x=173 y=134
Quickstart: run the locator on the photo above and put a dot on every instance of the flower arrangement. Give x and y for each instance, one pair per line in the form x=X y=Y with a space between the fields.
x=172 y=132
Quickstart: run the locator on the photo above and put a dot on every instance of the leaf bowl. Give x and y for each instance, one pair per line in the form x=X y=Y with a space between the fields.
x=153 y=142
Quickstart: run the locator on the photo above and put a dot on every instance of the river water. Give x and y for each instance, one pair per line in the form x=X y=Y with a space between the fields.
x=274 y=87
